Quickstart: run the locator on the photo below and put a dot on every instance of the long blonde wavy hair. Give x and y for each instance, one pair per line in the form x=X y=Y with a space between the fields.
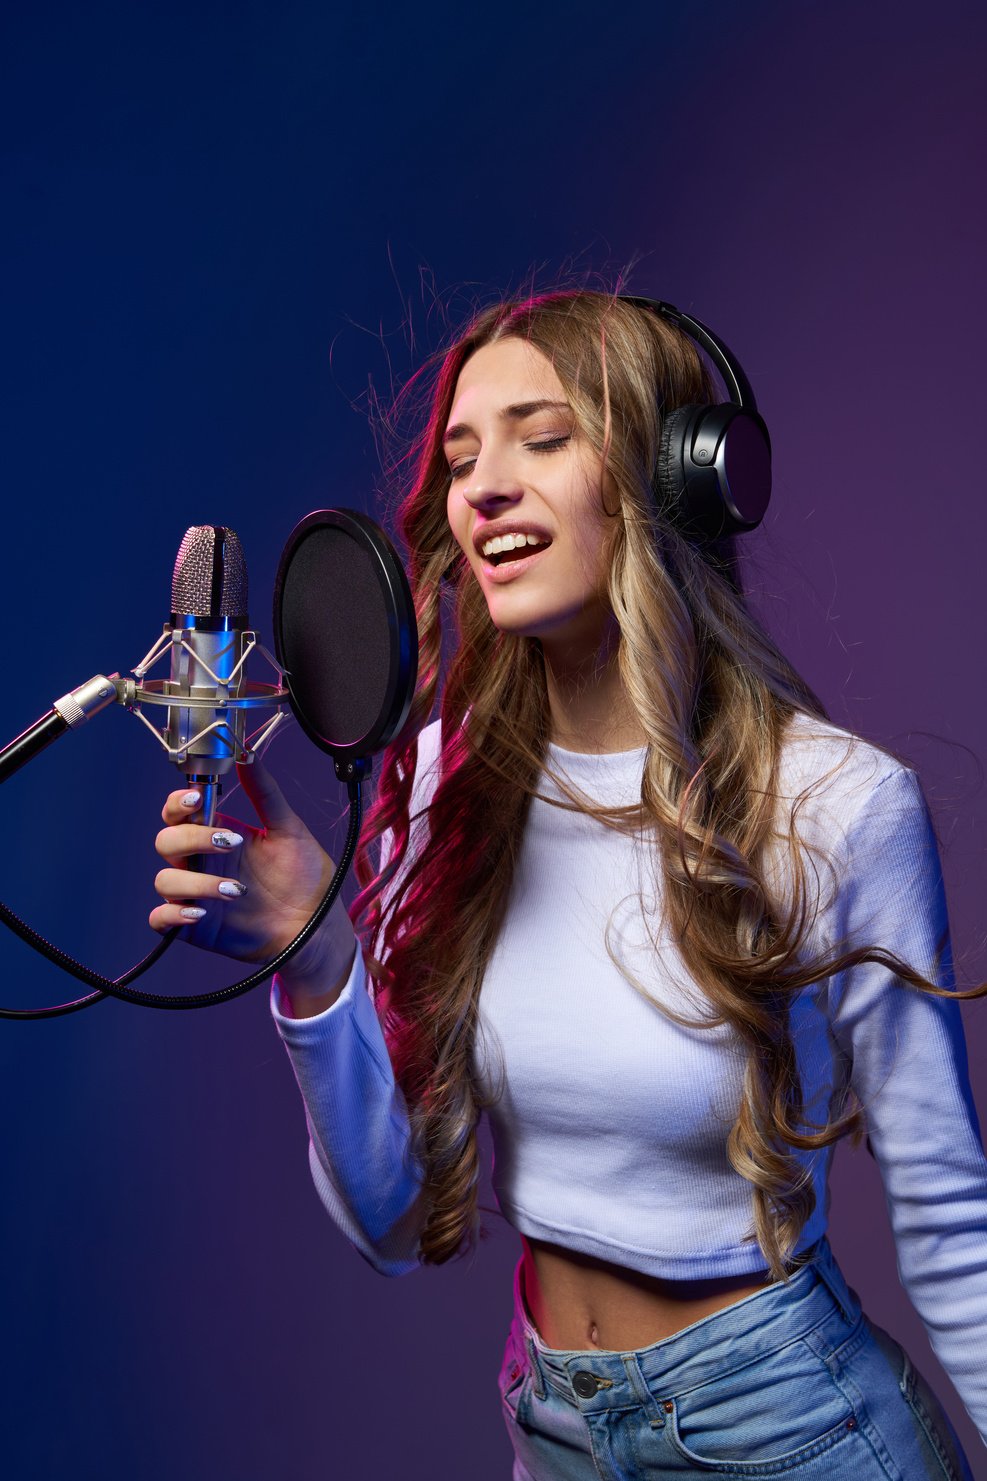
x=713 y=695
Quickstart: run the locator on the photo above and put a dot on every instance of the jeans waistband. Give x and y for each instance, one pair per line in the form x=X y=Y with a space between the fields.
x=816 y=1296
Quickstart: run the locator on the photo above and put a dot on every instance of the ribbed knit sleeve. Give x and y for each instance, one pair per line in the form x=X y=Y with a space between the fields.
x=359 y=1139
x=908 y=1064
x=360 y=1149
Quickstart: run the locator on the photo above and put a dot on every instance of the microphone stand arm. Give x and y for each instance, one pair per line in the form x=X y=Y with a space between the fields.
x=67 y=713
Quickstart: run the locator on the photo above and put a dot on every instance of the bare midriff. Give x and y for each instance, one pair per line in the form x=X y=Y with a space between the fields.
x=578 y=1302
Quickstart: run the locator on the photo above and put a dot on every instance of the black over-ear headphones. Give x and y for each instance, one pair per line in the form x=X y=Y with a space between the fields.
x=713 y=476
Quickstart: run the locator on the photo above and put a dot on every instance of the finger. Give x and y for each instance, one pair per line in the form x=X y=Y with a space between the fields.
x=185 y=839
x=265 y=794
x=165 y=917
x=181 y=805
x=187 y=884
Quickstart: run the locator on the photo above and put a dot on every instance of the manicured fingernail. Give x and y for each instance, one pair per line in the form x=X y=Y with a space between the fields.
x=191 y=799
x=225 y=839
x=232 y=888
x=192 y=912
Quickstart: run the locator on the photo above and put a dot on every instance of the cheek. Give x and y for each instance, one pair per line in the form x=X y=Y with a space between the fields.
x=592 y=507
x=595 y=540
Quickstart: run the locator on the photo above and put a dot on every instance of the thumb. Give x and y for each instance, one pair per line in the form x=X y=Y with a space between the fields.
x=265 y=795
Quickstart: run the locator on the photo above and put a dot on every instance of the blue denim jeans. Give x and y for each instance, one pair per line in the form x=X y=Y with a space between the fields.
x=792 y=1381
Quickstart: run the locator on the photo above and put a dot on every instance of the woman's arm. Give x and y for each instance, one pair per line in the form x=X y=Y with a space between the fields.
x=359 y=1135
x=270 y=880
x=908 y=1064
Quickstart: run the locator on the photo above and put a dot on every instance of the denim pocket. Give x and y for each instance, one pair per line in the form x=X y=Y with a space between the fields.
x=778 y=1412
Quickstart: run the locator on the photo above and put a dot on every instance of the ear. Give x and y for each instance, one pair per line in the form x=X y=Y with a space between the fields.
x=609 y=495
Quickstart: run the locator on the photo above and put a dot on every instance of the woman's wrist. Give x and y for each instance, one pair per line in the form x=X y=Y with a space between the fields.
x=312 y=984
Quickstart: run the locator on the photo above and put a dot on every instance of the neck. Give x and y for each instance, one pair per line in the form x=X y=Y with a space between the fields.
x=589 y=707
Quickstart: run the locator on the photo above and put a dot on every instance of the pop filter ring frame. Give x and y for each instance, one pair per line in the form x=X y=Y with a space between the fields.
x=351 y=757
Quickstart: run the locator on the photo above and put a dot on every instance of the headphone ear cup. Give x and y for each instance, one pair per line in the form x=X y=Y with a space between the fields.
x=688 y=490
x=670 y=472
x=713 y=473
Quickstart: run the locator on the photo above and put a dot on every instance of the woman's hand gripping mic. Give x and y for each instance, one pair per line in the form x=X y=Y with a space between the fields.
x=268 y=883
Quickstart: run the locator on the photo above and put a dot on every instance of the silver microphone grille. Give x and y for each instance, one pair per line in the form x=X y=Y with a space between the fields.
x=210 y=577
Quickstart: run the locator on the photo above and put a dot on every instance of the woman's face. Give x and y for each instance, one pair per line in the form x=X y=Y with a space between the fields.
x=519 y=466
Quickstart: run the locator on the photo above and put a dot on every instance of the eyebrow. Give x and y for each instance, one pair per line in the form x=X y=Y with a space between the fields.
x=516 y=413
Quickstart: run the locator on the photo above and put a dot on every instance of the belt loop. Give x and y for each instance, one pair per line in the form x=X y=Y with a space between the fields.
x=524 y=1326
x=537 y=1381
x=654 y=1411
x=832 y=1278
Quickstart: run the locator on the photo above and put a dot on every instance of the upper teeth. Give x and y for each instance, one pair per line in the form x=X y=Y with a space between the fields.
x=511 y=542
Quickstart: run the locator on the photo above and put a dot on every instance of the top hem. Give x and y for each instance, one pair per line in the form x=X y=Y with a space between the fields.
x=731 y=1260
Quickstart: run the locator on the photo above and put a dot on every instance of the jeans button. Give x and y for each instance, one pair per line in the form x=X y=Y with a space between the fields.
x=584 y=1384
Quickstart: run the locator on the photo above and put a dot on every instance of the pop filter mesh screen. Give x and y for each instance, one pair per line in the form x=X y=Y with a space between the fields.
x=335 y=635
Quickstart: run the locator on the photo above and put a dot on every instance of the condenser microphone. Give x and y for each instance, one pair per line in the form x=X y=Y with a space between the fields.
x=207 y=640
x=209 y=621
x=207 y=695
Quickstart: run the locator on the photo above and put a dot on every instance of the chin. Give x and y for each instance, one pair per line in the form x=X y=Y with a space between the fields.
x=548 y=633
x=531 y=623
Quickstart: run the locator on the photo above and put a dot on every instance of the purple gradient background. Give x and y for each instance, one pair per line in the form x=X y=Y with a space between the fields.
x=212 y=212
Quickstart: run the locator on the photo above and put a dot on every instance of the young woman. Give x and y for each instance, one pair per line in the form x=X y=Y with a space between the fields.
x=670 y=929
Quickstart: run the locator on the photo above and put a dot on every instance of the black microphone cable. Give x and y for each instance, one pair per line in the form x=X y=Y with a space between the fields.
x=62 y=959
x=119 y=988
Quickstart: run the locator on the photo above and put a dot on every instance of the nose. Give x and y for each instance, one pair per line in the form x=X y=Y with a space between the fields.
x=490 y=482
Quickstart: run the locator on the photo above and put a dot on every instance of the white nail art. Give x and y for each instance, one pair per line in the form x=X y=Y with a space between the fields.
x=191 y=799
x=192 y=912
x=232 y=889
x=226 y=839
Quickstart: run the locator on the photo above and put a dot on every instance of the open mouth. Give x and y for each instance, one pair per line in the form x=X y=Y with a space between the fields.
x=519 y=553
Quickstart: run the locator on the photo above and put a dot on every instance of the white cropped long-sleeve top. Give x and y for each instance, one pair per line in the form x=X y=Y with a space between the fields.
x=610 y=1130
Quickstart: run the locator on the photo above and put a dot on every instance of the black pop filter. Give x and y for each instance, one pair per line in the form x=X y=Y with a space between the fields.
x=345 y=634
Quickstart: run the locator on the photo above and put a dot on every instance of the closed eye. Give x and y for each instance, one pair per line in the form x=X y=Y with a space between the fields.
x=544 y=445
x=549 y=444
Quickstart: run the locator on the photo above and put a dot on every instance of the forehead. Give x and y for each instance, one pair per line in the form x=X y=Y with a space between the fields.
x=510 y=370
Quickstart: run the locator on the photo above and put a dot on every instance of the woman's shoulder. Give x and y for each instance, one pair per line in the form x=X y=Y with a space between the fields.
x=826 y=769
x=849 y=805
